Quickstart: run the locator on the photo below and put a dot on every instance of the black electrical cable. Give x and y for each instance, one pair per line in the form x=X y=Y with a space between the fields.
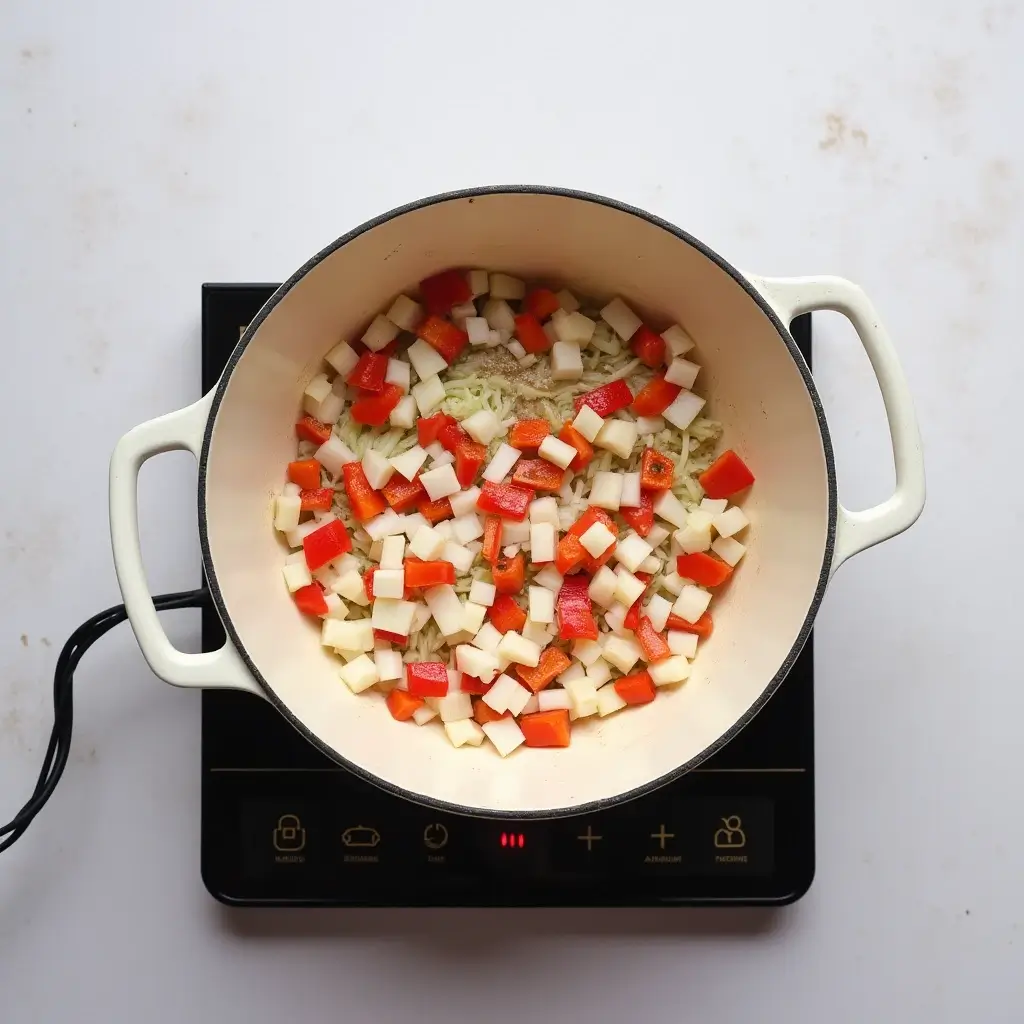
x=59 y=747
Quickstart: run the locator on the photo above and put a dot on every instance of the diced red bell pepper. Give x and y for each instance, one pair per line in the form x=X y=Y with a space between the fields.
x=324 y=545
x=607 y=399
x=648 y=347
x=703 y=569
x=402 y=494
x=393 y=638
x=573 y=610
x=403 y=705
x=726 y=476
x=492 y=539
x=443 y=337
x=656 y=470
x=541 y=302
x=310 y=600
x=505 y=614
x=436 y=511
x=636 y=689
x=311 y=429
x=632 y=619
x=584 y=449
x=369 y=372
x=305 y=473
x=427 y=428
x=451 y=435
x=374 y=410
x=655 y=397
x=364 y=501
x=546 y=728
x=530 y=334
x=652 y=643
x=702 y=627
x=641 y=519
x=587 y=520
x=539 y=474
x=319 y=500
x=428 y=574
x=444 y=290
x=427 y=678
x=368 y=581
x=484 y=713
x=508 y=500
x=553 y=663
x=509 y=574
x=473 y=685
x=469 y=458
x=570 y=554
x=527 y=434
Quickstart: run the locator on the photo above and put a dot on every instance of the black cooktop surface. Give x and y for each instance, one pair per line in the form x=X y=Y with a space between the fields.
x=284 y=825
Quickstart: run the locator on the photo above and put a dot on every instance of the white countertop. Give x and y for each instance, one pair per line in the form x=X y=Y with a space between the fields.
x=150 y=147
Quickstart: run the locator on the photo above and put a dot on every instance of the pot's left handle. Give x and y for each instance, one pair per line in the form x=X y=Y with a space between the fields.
x=177 y=431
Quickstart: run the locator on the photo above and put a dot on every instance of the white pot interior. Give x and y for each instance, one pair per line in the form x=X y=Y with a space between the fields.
x=753 y=385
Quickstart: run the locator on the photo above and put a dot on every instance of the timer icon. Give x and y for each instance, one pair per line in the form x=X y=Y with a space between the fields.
x=435 y=837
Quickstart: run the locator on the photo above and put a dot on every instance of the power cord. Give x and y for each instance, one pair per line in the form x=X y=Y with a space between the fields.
x=59 y=747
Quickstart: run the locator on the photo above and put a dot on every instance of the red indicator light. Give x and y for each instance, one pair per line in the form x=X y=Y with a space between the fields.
x=515 y=840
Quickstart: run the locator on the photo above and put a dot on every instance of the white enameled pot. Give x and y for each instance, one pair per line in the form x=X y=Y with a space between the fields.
x=757 y=383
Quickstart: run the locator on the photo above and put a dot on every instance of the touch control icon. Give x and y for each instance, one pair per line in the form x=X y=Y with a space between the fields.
x=662 y=836
x=289 y=835
x=435 y=837
x=731 y=835
x=360 y=836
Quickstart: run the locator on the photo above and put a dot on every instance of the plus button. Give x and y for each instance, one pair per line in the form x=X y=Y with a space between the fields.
x=589 y=838
x=662 y=836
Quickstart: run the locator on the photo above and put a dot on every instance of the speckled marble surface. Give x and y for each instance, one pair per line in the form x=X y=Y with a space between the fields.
x=148 y=148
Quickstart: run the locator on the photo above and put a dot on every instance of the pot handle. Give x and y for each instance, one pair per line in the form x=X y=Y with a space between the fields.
x=177 y=431
x=856 y=531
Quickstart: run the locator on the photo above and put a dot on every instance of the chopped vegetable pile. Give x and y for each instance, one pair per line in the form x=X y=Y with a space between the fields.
x=507 y=510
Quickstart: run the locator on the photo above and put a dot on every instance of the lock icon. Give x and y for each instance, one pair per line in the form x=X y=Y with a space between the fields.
x=289 y=836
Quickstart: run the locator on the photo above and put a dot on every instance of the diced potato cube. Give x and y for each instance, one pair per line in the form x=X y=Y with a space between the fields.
x=631 y=497
x=515 y=533
x=684 y=410
x=682 y=372
x=498 y=313
x=575 y=329
x=488 y=638
x=426 y=360
x=678 y=341
x=549 y=577
x=459 y=555
x=336 y=608
x=518 y=649
x=673 y=669
x=567 y=301
x=404 y=414
x=454 y=707
x=597 y=539
x=482 y=593
x=730 y=521
x=606 y=491
x=566 y=361
x=627 y=587
x=464 y=732
x=409 y=463
x=586 y=651
x=483 y=426
x=670 y=508
x=553 y=699
x=440 y=482
x=464 y=502
x=445 y=606
x=429 y=394
x=474 y=662
x=501 y=463
x=413 y=521
x=673 y=583
x=505 y=734
x=609 y=701
x=473 y=617
x=588 y=423
x=537 y=632
x=622 y=652
x=506 y=695
x=479 y=282
x=380 y=333
x=649 y=425
x=631 y=551
x=692 y=603
x=599 y=672
x=728 y=550
x=682 y=643
x=399 y=372
x=342 y=358
x=317 y=391
x=691 y=539
x=425 y=714
x=544 y=510
x=618 y=437
x=389 y=665
x=603 y=586
x=347 y=636
x=377 y=468
x=359 y=674
x=389 y=583
x=583 y=695
x=615 y=618
x=467 y=528
x=392 y=615
x=297 y=576
x=658 y=610
x=333 y=454
x=557 y=452
x=542 y=543
x=542 y=605
x=478 y=330
x=621 y=319
x=405 y=313
x=287 y=510
x=504 y=286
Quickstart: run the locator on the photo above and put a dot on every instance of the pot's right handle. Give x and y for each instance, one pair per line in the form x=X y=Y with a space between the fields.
x=177 y=431
x=856 y=531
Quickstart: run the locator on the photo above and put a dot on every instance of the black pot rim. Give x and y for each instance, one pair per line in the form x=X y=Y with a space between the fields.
x=593 y=805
